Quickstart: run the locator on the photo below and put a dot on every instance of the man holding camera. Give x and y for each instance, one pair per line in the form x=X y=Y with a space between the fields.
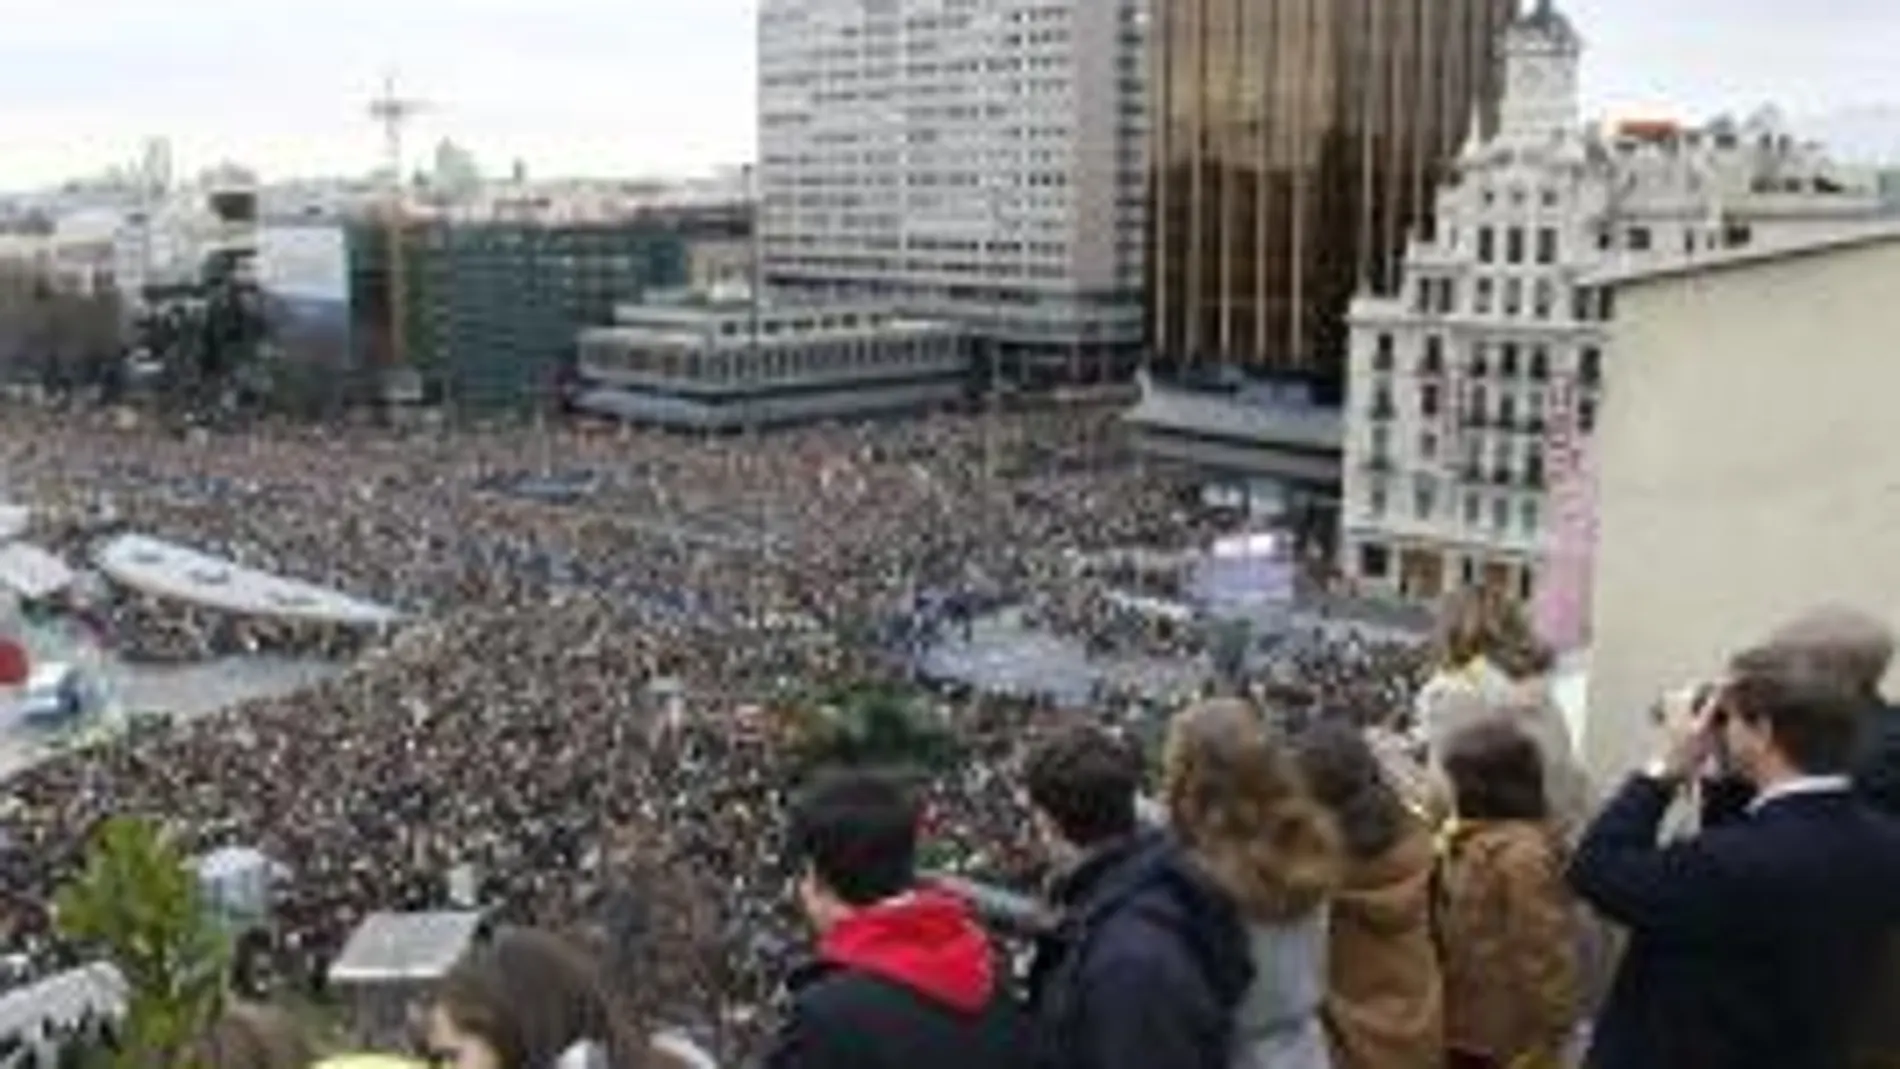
x=1751 y=942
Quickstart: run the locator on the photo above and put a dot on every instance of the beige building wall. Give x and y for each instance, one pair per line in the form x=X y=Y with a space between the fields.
x=1750 y=467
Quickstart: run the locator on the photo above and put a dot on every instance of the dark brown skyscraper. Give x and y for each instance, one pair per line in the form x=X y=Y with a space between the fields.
x=1295 y=144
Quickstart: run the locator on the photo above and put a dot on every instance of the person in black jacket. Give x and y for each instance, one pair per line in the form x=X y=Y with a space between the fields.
x=1860 y=647
x=904 y=977
x=1750 y=941
x=1150 y=958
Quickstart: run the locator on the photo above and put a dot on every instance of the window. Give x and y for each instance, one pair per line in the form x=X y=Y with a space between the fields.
x=1429 y=400
x=1375 y=561
x=1382 y=402
x=1550 y=198
x=1638 y=239
x=1375 y=500
x=1424 y=497
x=1382 y=353
x=1481 y=297
x=1487 y=245
x=1467 y=567
x=1604 y=239
x=1514 y=245
x=1526 y=584
x=1587 y=415
x=1381 y=445
x=1513 y=296
x=1528 y=517
x=1606 y=303
x=1428 y=446
x=1507 y=411
x=1434 y=363
x=1474 y=513
x=1580 y=304
x=1735 y=235
x=1447 y=296
x=1543 y=295
x=1540 y=364
x=1547 y=245
x=1590 y=365
x=1500 y=515
x=1534 y=465
x=1507 y=360
x=1422 y=296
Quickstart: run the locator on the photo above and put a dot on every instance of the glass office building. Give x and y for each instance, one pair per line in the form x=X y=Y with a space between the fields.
x=1295 y=143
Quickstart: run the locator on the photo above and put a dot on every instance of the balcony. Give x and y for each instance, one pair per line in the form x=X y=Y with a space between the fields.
x=1501 y=477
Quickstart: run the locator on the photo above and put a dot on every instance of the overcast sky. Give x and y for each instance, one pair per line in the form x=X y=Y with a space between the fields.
x=666 y=86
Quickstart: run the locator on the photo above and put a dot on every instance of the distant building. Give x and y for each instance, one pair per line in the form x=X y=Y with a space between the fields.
x=982 y=164
x=492 y=309
x=1476 y=381
x=1747 y=466
x=699 y=364
x=1295 y=143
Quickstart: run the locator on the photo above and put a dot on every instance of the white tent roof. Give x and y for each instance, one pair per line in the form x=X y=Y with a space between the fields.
x=96 y=990
x=13 y=520
x=405 y=946
x=32 y=572
x=166 y=569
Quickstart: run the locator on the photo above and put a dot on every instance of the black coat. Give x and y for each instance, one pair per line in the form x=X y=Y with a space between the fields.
x=1748 y=942
x=1877 y=770
x=912 y=985
x=1146 y=968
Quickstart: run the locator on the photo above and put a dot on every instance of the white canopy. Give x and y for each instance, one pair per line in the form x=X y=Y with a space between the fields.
x=405 y=947
x=31 y=572
x=168 y=570
x=13 y=520
x=97 y=990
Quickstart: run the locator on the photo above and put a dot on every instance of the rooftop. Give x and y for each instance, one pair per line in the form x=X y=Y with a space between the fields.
x=1877 y=233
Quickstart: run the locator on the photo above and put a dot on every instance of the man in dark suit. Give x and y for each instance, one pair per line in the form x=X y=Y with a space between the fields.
x=1751 y=942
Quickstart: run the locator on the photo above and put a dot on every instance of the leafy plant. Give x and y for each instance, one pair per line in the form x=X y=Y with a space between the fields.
x=137 y=903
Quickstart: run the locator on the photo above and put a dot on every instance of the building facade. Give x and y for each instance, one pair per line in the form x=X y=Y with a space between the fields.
x=694 y=363
x=492 y=309
x=978 y=161
x=1744 y=469
x=1475 y=387
x=1295 y=144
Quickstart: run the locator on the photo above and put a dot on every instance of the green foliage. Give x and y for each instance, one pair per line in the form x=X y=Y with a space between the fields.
x=875 y=726
x=137 y=903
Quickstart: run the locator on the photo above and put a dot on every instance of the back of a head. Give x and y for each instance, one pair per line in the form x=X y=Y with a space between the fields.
x=1496 y=773
x=1347 y=778
x=536 y=999
x=1239 y=803
x=1854 y=643
x=1813 y=712
x=247 y=1036
x=857 y=831
x=1085 y=781
x=1477 y=622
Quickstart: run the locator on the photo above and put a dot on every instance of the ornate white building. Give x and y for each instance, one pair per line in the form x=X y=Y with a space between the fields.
x=1474 y=392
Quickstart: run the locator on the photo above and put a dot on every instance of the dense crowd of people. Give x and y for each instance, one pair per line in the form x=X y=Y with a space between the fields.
x=1369 y=854
x=519 y=727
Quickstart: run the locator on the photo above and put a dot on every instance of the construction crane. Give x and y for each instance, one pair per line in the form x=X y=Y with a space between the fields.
x=393 y=113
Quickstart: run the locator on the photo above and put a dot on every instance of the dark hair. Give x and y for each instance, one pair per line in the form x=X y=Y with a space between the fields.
x=1496 y=773
x=1085 y=780
x=858 y=833
x=247 y=1036
x=1346 y=777
x=531 y=995
x=1812 y=710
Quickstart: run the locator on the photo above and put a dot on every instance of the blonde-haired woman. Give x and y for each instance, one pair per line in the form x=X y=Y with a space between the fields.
x=1490 y=665
x=1239 y=807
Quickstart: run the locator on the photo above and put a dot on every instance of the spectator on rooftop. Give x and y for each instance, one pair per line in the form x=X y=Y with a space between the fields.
x=1150 y=961
x=1753 y=943
x=1385 y=997
x=1490 y=664
x=1241 y=808
x=904 y=977
x=1507 y=924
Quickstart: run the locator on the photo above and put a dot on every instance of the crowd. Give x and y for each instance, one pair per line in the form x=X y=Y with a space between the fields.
x=515 y=731
x=1355 y=865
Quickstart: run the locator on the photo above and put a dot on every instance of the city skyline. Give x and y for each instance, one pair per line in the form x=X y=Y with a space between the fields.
x=650 y=87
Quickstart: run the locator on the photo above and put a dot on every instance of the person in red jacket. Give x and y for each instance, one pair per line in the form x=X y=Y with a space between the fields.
x=904 y=978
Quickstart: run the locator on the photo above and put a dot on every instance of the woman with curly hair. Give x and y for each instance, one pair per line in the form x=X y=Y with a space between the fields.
x=1240 y=808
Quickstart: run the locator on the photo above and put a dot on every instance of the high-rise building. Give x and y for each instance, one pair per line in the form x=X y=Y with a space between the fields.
x=979 y=161
x=1478 y=377
x=1295 y=145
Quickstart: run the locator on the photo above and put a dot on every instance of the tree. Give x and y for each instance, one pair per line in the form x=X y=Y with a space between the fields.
x=137 y=903
x=874 y=726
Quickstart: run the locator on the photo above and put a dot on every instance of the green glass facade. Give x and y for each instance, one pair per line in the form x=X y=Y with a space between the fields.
x=491 y=309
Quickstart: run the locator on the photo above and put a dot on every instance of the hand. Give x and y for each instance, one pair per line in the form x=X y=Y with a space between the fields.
x=1689 y=742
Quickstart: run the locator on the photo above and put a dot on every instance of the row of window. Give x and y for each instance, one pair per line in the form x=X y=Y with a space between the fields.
x=1478 y=510
x=1510 y=298
x=1375 y=562
x=1508 y=360
x=745 y=364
